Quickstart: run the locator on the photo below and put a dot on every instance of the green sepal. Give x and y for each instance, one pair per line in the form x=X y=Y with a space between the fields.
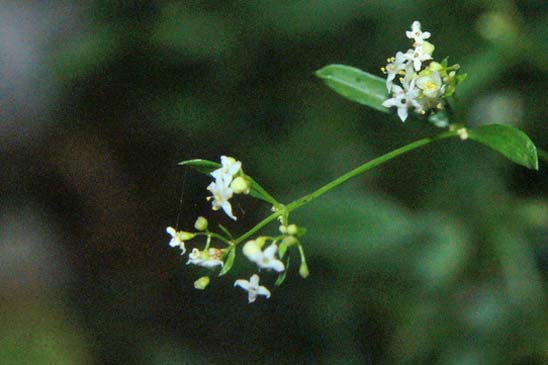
x=229 y=261
x=509 y=141
x=356 y=85
x=283 y=274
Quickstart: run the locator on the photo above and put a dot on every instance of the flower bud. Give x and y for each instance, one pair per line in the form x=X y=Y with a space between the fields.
x=201 y=224
x=428 y=48
x=240 y=186
x=261 y=241
x=185 y=236
x=283 y=229
x=201 y=283
x=303 y=270
x=251 y=249
x=435 y=66
x=292 y=229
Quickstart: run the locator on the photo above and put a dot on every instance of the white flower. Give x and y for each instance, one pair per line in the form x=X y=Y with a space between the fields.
x=394 y=67
x=229 y=168
x=264 y=259
x=205 y=259
x=403 y=99
x=417 y=56
x=177 y=238
x=222 y=192
x=416 y=34
x=252 y=287
x=431 y=85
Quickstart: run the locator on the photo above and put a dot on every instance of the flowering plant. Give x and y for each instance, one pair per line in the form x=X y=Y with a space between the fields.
x=414 y=82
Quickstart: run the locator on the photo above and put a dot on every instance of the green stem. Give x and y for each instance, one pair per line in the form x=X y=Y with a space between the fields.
x=344 y=178
x=257 y=227
x=367 y=166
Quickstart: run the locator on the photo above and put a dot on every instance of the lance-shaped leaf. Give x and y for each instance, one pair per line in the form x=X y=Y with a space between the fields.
x=356 y=85
x=283 y=274
x=206 y=167
x=203 y=166
x=229 y=261
x=364 y=88
x=510 y=141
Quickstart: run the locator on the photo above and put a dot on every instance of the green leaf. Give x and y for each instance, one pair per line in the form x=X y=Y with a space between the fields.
x=203 y=166
x=257 y=191
x=509 y=141
x=283 y=274
x=229 y=261
x=356 y=85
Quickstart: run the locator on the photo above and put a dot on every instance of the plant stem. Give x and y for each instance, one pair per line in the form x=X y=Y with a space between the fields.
x=257 y=227
x=344 y=178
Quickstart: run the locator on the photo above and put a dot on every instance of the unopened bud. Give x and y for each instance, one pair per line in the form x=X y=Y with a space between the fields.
x=251 y=248
x=261 y=240
x=201 y=224
x=435 y=66
x=240 y=186
x=185 y=236
x=202 y=283
x=303 y=270
x=292 y=229
x=428 y=48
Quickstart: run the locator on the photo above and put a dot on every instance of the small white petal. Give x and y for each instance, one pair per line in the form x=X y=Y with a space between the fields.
x=244 y=284
x=276 y=265
x=263 y=291
x=171 y=231
x=254 y=280
x=402 y=113
x=389 y=103
x=270 y=251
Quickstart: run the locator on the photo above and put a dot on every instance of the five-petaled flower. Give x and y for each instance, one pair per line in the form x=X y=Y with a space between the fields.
x=264 y=259
x=253 y=288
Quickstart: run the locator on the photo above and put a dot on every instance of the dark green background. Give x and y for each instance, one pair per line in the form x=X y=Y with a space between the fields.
x=438 y=257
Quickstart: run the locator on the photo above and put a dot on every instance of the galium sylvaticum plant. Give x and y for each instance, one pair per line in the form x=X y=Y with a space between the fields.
x=416 y=86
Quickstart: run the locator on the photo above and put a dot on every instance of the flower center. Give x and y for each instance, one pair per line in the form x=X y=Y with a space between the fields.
x=430 y=85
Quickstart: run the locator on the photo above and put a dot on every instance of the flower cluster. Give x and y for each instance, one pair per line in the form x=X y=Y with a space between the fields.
x=423 y=83
x=264 y=251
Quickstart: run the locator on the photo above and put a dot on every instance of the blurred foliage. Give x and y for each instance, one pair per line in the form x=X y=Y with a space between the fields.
x=438 y=257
